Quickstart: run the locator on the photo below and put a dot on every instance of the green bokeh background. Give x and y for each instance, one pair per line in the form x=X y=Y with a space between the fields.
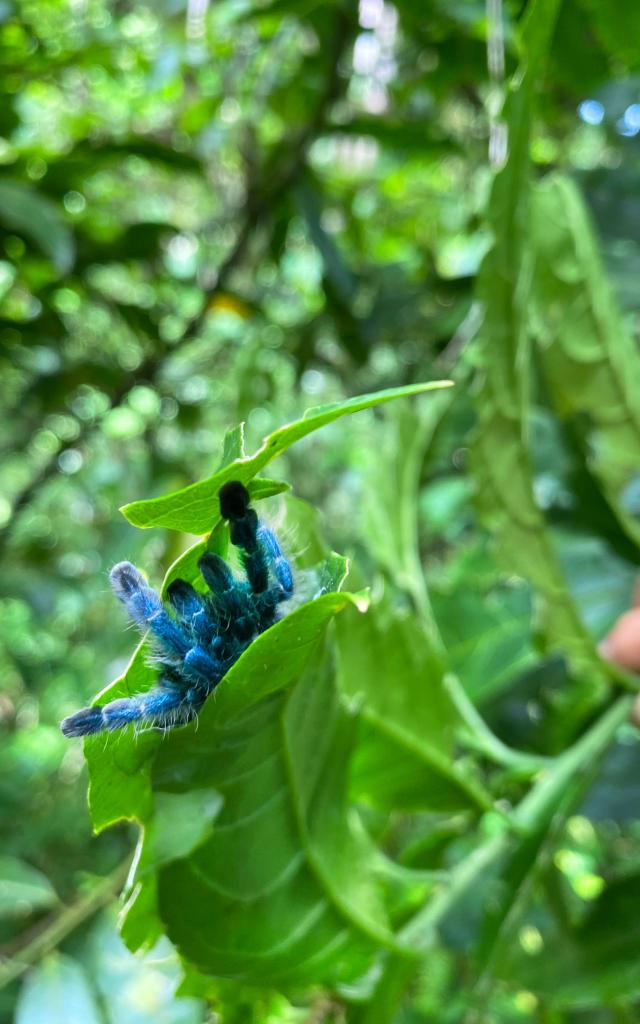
x=230 y=211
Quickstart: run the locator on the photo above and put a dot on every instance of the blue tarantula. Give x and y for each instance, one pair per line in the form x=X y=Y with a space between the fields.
x=207 y=633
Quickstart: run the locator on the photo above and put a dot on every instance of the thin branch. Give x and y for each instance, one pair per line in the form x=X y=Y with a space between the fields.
x=498 y=140
x=56 y=930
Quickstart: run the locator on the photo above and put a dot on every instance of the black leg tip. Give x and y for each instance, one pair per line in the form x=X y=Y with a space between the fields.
x=125 y=580
x=179 y=591
x=84 y=723
x=234 y=500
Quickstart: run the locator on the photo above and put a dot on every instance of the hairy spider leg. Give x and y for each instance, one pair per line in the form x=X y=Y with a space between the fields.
x=194 y=671
x=244 y=534
x=193 y=613
x=232 y=603
x=243 y=530
x=197 y=616
x=163 y=707
x=279 y=565
x=267 y=602
x=260 y=553
x=146 y=609
x=209 y=632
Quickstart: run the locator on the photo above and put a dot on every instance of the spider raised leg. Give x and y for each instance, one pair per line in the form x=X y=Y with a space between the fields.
x=199 y=637
x=164 y=706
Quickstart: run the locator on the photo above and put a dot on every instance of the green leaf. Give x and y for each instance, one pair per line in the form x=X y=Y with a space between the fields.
x=119 y=763
x=602 y=586
x=590 y=358
x=280 y=890
x=319 y=737
x=487 y=634
x=58 y=992
x=556 y=791
x=250 y=858
x=260 y=488
x=500 y=456
x=179 y=823
x=405 y=754
x=276 y=656
x=233 y=445
x=394 y=464
x=393 y=471
x=617 y=25
x=505 y=500
x=24 y=209
x=195 y=509
x=540 y=816
x=23 y=889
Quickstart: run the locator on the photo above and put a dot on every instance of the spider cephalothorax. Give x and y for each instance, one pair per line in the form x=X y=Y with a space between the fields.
x=197 y=641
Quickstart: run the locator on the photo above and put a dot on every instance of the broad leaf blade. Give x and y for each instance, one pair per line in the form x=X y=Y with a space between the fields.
x=405 y=755
x=195 y=509
x=249 y=885
x=319 y=737
x=263 y=895
x=501 y=461
x=23 y=889
x=233 y=445
x=590 y=359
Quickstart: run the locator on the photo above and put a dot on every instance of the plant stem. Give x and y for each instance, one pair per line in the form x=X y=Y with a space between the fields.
x=478 y=736
x=62 y=924
x=533 y=814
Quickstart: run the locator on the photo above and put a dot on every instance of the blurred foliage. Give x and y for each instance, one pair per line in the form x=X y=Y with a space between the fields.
x=215 y=213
